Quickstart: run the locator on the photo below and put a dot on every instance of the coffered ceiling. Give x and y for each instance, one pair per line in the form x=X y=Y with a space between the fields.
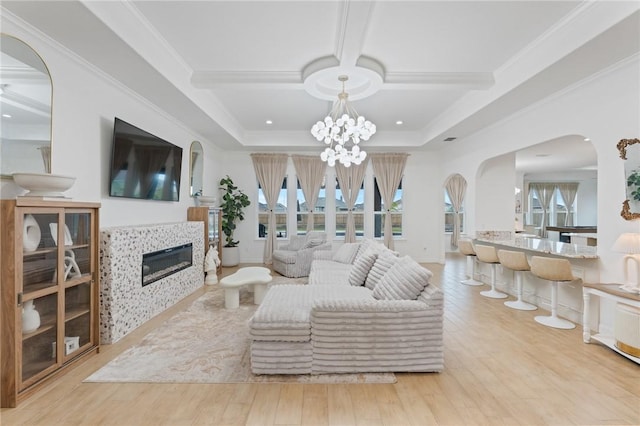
x=442 y=68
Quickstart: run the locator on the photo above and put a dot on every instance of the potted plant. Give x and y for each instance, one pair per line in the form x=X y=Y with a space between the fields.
x=233 y=203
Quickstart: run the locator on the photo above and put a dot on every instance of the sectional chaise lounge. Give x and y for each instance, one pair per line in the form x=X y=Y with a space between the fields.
x=365 y=309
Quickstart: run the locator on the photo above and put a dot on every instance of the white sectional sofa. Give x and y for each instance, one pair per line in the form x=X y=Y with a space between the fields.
x=365 y=309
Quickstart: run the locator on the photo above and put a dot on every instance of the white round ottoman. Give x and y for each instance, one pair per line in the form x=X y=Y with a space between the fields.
x=257 y=276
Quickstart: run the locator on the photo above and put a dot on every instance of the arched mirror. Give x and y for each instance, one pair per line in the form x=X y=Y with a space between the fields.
x=25 y=104
x=196 y=168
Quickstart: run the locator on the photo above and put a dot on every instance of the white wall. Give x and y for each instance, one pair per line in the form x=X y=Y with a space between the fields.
x=495 y=183
x=605 y=108
x=85 y=103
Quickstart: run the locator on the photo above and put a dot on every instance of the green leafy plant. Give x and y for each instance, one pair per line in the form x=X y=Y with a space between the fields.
x=633 y=180
x=233 y=203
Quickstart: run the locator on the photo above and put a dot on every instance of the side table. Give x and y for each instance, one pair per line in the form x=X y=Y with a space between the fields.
x=610 y=292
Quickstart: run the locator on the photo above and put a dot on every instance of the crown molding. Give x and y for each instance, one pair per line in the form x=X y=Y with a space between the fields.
x=29 y=31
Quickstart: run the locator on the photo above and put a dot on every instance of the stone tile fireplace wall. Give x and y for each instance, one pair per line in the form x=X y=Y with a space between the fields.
x=124 y=303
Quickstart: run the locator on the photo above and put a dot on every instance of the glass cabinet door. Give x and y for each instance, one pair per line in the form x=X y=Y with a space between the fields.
x=40 y=254
x=213 y=227
x=78 y=281
x=77 y=318
x=39 y=295
x=77 y=246
x=39 y=335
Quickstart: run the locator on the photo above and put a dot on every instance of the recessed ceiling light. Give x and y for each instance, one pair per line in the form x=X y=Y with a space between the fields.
x=6 y=115
x=269 y=122
x=399 y=122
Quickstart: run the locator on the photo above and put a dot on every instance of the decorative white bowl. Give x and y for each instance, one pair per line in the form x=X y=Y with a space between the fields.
x=207 y=200
x=43 y=184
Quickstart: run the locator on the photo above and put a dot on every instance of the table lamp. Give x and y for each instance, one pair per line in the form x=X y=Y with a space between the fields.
x=629 y=243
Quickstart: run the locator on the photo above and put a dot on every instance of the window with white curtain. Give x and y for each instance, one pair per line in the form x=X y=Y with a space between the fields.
x=449 y=214
x=341 y=212
x=281 y=212
x=556 y=213
x=302 y=210
x=379 y=210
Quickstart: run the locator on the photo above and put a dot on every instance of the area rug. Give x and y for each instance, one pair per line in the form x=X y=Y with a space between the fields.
x=207 y=343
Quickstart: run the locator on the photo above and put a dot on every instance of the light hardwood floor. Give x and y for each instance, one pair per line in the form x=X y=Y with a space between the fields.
x=500 y=368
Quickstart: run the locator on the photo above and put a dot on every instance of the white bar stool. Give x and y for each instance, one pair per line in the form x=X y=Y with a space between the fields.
x=487 y=254
x=466 y=247
x=554 y=270
x=517 y=262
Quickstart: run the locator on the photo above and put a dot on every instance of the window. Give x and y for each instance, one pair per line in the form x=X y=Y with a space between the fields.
x=281 y=212
x=449 y=214
x=341 y=212
x=535 y=210
x=556 y=213
x=302 y=211
x=379 y=210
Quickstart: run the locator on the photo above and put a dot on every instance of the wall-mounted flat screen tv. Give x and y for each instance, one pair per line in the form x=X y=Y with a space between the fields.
x=143 y=165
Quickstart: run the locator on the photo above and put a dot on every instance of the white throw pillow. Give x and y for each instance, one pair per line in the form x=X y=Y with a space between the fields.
x=383 y=262
x=346 y=253
x=361 y=266
x=314 y=242
x=364 y=245
x=405 y=280
x=295 y=243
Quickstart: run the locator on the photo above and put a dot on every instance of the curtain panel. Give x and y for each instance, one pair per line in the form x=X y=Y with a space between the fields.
x=456 y=187
x=310 y=171
x=388 y=170
x=270 y=170
x=544 y=191
x=568 y=192
x=350 y=180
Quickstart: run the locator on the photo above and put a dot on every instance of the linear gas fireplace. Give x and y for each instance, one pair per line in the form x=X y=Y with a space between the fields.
x=124 y=303
x=162 y=263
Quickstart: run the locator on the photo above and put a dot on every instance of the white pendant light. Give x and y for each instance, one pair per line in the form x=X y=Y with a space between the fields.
x=342 y=126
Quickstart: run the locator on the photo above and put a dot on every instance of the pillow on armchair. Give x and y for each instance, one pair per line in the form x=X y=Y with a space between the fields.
x=294 y=259
x=295 y=243
x=313 y=239
x=301 y=242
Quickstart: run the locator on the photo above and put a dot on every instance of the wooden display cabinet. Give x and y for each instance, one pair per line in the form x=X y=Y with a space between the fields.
x=212 y=219
x=49 y=264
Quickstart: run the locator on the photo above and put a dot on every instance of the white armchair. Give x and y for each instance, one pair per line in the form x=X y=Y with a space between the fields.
x=294 y=259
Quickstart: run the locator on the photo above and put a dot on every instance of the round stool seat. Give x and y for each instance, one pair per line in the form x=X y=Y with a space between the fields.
x=488 y=254
x=466 y=247
x=518 y=263
x=514 y=260
x=556 y=271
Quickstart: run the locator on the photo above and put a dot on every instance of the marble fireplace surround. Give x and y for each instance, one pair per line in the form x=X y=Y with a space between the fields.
x=124 y=303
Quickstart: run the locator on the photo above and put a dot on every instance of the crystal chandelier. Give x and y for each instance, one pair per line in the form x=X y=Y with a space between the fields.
x=343 y=124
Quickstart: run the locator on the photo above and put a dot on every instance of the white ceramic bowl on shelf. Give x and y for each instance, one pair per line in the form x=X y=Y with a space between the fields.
x=43 y=184
x=207 y=200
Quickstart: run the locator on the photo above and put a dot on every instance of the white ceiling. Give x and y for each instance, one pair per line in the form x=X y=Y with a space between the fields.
x=445 y=68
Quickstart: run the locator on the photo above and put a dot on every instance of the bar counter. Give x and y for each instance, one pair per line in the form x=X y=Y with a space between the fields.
x=545 y=246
